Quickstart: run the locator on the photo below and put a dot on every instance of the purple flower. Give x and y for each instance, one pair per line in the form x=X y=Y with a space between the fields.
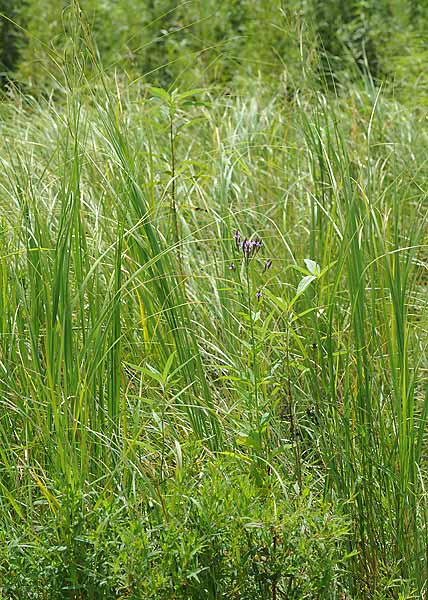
x=249 y=247
x=246 y=248
x=257 y=244
x=258 y=294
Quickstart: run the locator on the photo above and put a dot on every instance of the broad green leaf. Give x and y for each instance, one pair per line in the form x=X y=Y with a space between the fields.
x=312 y=266
x=159 y=93
x=304 y=283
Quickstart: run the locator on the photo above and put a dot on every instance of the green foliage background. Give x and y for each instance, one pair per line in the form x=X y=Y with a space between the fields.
x=227 y=43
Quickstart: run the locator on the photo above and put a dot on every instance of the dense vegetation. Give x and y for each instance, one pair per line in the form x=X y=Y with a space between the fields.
x=213 y=271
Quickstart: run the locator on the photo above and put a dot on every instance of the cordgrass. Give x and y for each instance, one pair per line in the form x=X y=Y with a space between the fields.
x=181 y=421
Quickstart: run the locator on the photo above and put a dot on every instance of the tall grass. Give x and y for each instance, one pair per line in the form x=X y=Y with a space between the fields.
x=166 y=430
x=372 y=405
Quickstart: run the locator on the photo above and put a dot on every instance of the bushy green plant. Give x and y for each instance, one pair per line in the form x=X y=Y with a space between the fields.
x=213 y=533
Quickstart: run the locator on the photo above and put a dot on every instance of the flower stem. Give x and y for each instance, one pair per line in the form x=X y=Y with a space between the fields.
x=253 y=339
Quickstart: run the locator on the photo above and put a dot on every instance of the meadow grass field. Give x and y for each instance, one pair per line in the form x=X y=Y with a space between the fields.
x=213 y=333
